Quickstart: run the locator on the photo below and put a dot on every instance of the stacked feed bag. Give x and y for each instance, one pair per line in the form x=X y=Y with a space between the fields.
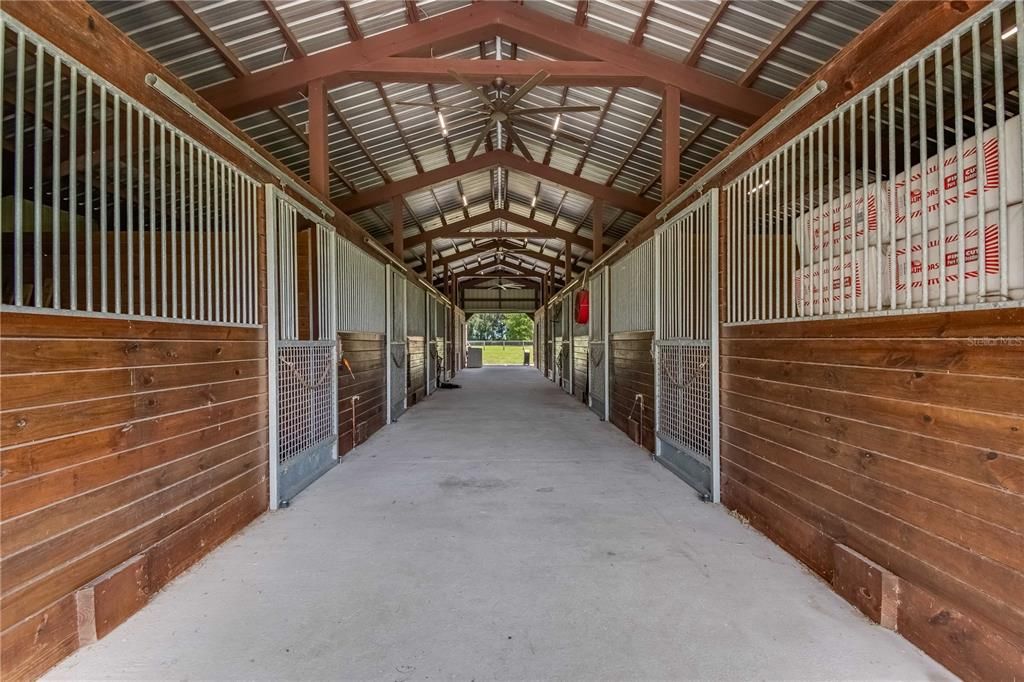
x=847 y=246
x=976 y=264
x=987 y=248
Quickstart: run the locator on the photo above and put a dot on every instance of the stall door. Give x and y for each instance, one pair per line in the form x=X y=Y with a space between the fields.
x=302 y=296
x=598 y=347
x=398 y=351
x=686 y=343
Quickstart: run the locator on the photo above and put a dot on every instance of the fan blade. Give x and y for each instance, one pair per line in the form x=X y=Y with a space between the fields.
x=450 y=107
x=535 y=80
x=472 y=88
x=544 y=130
x=480 y=138
x=518 y=141
x=552 y=110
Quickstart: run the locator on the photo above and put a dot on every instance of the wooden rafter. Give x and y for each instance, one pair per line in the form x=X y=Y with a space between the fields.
x=698 y=45
x=562 y=40
x=538 y=230
x=383 y=193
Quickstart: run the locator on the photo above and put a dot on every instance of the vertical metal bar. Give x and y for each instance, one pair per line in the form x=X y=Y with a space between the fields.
x=958 y=115
x=87 y=206
x=103 y=199
x=55 y=259
x=999 y=85
x=907 y=205
x=129 y=192
x=116 y=158
x=272 y=350
x=827 y=243
x=940 y=163
x=19 y=170
x=877 y=192
x=865 y=220
x=842 y=208
x=714 y=351
x=153 y=227
x=922 y=147
x=780 y=185
x=203 y=220
x=981 y=175
x=194 y=201
x=37 y=165
x=891 y=144
x=72 y=188
x=730 y=198
x=216 y=227
x=792 y=263
x=172 y=206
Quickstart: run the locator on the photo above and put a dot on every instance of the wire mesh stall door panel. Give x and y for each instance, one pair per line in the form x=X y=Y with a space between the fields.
x=307 y=413
x=684 y=410
x=596 y=353
x=398 y=353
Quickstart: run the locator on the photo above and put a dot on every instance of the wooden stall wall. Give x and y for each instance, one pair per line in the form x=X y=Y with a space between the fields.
x=631 y=374
x=581 y=344
x=416 y=376
x=901 y=439
x=130 y=450
x=365 y=388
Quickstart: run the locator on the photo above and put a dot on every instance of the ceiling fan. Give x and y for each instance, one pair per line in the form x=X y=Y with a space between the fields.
x=502 y=109
x=505 y=286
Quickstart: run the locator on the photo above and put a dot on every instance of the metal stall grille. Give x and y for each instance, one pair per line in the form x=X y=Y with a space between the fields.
x=686 y=351
x=869 y=211
x=109 y=210
x=303 y=375
x=398 y=351
x=597 y=357
x=362 y=290
x=631 y=304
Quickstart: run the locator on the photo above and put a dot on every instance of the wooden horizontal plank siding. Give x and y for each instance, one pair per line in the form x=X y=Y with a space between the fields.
x=129 y=450
x=365 y=388
x=580 y=387
x=631 y=373
x=902 y=440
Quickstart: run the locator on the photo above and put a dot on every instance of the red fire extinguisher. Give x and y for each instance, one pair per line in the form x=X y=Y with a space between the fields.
x=582 y=306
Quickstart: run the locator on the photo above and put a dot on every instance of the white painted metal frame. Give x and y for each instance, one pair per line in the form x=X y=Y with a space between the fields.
x=168 y=228
x=320 y=415
x=686 y=339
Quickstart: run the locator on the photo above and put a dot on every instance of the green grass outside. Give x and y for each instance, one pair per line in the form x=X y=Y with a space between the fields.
x=510 y=355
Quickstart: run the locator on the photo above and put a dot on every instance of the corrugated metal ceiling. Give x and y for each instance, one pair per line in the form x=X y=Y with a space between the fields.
x=369 y=146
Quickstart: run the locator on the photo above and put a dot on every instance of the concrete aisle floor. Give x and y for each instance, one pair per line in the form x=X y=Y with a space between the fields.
x=500 y=531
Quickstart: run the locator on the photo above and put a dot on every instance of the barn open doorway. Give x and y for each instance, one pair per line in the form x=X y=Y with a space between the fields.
x=502 y=339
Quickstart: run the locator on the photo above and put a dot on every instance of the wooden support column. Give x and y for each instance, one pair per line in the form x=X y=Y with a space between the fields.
x=597 y=217
x=568 y=262
x=397 y=226
x=430 y=261
x=445 y=284
x=670 y=142
x=319 y=162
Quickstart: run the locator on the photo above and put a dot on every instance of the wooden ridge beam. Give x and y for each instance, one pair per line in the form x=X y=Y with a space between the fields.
x=562 y=40
x=379 y=195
